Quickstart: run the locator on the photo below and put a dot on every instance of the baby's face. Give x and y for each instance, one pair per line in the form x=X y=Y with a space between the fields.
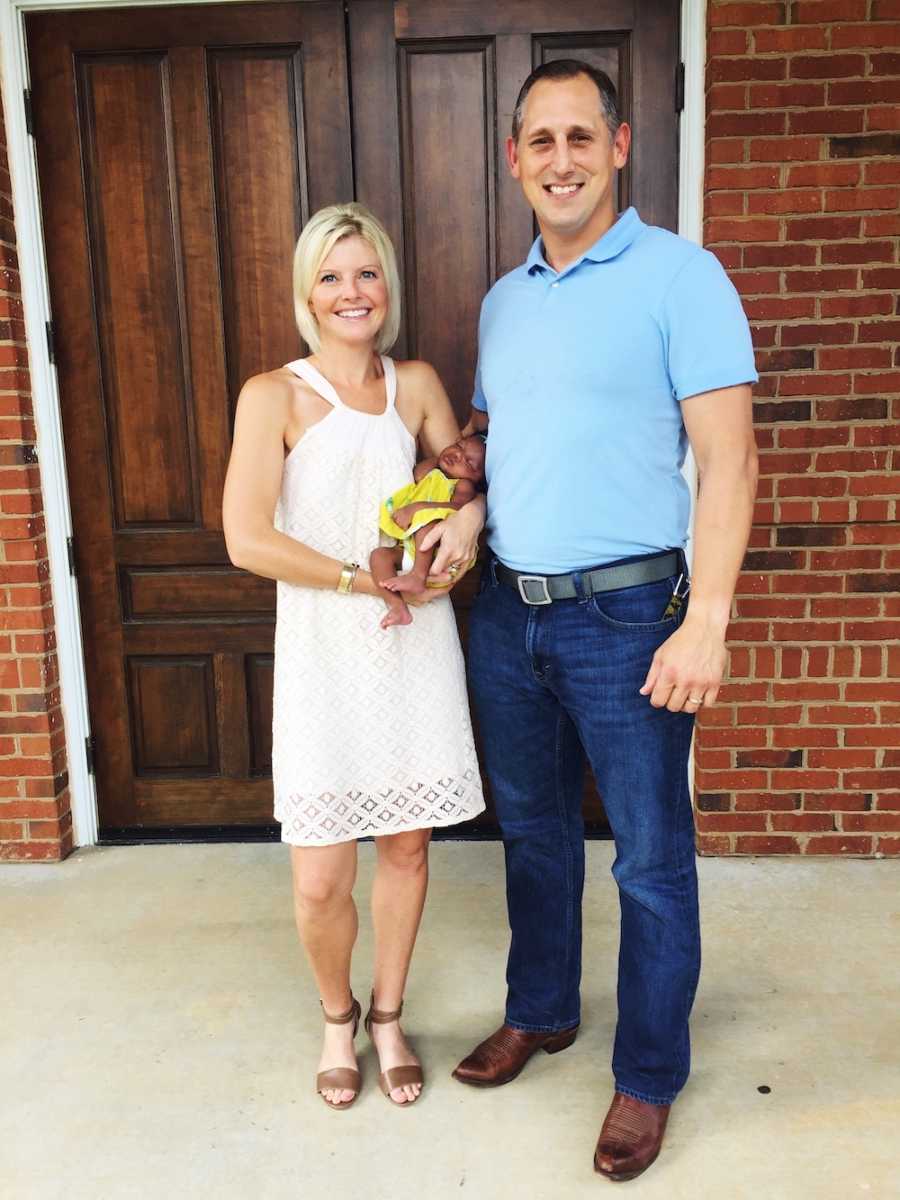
x=464 y=459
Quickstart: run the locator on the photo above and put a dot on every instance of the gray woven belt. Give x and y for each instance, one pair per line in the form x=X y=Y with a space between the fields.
x=544 y=589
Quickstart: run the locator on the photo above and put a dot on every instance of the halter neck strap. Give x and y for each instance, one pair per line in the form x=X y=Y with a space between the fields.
x=322 y=387
x=390 y=381
x=316 y=380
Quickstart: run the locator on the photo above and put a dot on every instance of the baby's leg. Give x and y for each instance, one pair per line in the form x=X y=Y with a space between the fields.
x=383 y=563
x=413 y=581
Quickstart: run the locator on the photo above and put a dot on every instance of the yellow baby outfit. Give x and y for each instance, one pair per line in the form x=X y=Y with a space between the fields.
x=434 y=488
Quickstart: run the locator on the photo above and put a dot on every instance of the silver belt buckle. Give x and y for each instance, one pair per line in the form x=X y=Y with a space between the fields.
x=541 y=580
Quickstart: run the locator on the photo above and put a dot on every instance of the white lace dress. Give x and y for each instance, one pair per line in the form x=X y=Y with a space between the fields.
x=371 y=728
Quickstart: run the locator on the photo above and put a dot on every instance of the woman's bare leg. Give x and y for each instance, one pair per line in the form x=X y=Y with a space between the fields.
x=327 y=923
x=398 y=897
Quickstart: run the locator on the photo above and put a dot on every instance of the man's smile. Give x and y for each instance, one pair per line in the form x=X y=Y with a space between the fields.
x=562 y=189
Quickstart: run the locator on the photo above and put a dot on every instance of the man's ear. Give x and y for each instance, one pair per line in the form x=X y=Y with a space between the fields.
x=512 y=157
x=621 y=145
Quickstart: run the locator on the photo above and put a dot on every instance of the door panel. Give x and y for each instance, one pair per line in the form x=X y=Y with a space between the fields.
x=259 y=152
x=187 y=148
x=125 y=121
x=444 y=88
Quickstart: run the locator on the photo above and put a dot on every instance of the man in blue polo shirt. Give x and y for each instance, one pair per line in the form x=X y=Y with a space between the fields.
x=600 y=358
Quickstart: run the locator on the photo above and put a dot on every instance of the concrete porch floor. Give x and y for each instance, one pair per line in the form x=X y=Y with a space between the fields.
x=160 y=1034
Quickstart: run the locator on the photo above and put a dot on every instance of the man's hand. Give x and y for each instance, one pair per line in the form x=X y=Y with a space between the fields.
x=458 y=537
x=687 y=669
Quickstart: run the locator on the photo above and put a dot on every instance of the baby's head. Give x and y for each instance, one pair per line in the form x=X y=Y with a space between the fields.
x=464 y=459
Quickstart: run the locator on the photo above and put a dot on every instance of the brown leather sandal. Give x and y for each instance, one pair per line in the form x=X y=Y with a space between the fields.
x=393 y=1077
x=342 y=1078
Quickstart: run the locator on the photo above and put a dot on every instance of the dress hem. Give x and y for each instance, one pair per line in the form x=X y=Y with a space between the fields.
x=355 y=837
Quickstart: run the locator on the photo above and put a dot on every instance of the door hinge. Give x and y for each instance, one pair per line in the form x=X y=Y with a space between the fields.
x=29 y=112
x=70 y=547
x=90 y=752
x=51 y=344
x=679 y=88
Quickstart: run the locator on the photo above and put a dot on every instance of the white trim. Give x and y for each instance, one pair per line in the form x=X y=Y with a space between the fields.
x=45 y=394
x=45 y=400
x=23 y=6
x=693 y=123
x=691 y=162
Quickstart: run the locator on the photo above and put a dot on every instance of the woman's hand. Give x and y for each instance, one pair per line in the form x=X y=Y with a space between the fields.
x=458 y=537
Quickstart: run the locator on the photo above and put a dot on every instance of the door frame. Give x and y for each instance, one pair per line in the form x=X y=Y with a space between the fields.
x=35 y=288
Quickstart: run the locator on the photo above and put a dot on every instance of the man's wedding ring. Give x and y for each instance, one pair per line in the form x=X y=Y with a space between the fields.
x=695 y=699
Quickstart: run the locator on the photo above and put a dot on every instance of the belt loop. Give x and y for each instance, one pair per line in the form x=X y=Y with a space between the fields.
x=492 y=567
x=683 y=563
x=582 y=584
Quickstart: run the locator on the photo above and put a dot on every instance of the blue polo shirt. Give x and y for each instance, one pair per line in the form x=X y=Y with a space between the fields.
x=582 y=373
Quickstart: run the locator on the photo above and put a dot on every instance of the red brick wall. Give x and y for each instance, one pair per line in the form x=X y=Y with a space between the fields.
x=802 y=192
x=35 y=821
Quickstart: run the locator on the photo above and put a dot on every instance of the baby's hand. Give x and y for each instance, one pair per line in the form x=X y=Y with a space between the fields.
x=402 y=516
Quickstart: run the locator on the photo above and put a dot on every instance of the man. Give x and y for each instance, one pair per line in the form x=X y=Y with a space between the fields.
x=611 y=347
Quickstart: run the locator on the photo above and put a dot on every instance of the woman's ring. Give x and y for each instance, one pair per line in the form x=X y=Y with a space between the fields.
x=453 y=570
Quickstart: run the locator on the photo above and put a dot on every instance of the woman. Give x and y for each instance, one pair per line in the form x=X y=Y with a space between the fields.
x=371 y=731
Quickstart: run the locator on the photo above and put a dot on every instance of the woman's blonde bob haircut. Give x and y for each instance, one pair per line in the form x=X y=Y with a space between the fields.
x=320 y=235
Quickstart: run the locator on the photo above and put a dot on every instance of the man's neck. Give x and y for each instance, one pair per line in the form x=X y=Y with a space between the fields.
x=561 y=250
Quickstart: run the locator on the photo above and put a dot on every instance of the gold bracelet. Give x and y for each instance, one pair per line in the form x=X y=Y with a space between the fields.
x=348 y=578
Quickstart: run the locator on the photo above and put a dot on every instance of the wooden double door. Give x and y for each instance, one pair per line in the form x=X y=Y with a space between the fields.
x=180 y=151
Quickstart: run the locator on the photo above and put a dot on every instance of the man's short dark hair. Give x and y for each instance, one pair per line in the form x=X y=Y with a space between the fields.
x=571 y=68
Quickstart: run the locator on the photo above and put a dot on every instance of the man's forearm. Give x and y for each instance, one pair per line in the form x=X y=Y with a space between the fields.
x=721 y=530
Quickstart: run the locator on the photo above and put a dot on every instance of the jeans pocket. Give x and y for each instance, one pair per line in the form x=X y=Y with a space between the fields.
x=638 y=609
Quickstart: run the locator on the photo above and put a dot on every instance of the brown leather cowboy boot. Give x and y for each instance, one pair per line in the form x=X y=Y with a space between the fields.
x=501 y=1057
x=630 y=1138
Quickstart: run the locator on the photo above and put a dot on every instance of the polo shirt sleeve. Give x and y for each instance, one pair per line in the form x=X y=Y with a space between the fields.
x=705 y=330
x=479 y=400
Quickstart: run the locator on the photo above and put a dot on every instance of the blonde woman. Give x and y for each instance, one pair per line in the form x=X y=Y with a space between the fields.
x=371 y=730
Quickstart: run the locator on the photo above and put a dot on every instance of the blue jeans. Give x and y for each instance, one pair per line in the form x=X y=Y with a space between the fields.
x=552 y=685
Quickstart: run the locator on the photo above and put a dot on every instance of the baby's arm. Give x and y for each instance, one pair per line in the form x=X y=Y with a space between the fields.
x=462 y=494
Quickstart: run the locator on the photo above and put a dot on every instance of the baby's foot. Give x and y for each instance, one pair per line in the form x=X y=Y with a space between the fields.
x=409 y=583
x=397 y=614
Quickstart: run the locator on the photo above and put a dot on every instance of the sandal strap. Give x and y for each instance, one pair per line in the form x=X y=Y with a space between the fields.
x=340 y=1079
x=377 y=1016
x=395 y=1077
x=352 y=1013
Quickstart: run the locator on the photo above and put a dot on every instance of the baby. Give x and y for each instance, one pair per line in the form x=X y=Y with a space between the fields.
x=442 y=485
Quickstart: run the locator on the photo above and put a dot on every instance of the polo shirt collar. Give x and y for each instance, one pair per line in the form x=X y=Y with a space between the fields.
x=616 y=239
